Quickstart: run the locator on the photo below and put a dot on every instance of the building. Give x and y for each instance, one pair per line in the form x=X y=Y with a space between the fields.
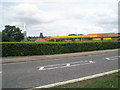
x=41 y=40
x=100 y=36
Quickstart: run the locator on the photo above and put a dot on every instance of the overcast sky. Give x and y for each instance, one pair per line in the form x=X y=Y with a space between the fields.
x=61 y=17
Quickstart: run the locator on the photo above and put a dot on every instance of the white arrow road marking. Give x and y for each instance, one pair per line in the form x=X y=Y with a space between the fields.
x=113 y=58
x=64 y=65
x=41 y=68
x=54 y=65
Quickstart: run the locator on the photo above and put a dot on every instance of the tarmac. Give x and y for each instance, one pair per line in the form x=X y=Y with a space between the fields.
x=52 y=57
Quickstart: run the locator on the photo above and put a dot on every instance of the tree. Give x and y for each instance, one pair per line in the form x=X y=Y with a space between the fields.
x=12 y=34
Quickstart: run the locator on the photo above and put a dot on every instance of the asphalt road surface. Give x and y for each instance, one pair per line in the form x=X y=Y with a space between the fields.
x=39 y=73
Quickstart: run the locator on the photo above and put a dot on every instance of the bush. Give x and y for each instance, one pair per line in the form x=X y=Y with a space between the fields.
x=28 y=48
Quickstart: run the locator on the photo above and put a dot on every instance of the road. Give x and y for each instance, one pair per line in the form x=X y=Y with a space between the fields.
x=39 y=73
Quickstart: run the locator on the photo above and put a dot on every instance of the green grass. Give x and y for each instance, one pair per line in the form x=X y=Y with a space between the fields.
x=107 y=81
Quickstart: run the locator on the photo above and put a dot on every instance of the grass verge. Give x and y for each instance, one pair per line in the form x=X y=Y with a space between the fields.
x=107 y=81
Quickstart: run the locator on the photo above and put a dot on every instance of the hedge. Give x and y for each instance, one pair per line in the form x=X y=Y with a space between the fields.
x=28 y=49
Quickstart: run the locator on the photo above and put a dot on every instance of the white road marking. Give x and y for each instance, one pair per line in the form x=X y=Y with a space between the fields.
x=113 y=58
x=68 y=64
x=0 y=72
x=108 y=58
x=55 y=66
x=77 y=79
x=41 y=68
x=91 y=62
x=62 y=64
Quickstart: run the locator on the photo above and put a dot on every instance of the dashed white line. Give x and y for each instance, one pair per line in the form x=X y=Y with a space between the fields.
x=91 y=62
x=108 y=58
x=71 y=64
x=68 y=64
x=63 y=64
x=55 y=66
x=62 y=67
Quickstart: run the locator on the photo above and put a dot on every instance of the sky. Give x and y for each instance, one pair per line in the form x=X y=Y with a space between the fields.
x=61 y=17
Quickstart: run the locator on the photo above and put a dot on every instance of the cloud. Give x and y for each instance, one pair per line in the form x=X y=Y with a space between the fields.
x=61 y=1
x=108 y=20
x=1 y=17
x=61 y=17
x=43 y=1
x=30 y=14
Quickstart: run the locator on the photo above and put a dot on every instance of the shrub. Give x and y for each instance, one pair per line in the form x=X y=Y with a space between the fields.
x=28 y=48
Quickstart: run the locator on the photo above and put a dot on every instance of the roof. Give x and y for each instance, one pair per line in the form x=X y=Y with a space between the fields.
x=41 y=40
x=85 y=36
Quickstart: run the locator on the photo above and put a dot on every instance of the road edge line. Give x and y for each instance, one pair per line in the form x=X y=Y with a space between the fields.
x=78 y=79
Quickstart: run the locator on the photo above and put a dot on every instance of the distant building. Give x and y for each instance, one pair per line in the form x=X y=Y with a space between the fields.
x=41 y=40
x=99 y=36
